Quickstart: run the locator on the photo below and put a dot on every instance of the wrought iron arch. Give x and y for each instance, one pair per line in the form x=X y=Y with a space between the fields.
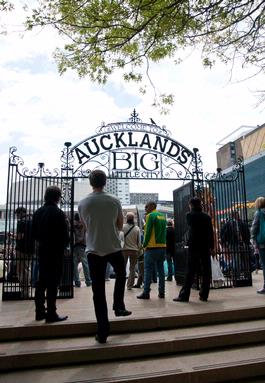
x=133 y=150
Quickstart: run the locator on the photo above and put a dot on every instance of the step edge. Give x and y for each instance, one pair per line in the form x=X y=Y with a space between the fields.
x=129 y=325
x=49 y=358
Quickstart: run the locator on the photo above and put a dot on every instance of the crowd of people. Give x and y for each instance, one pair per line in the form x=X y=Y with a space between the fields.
x=102 y=241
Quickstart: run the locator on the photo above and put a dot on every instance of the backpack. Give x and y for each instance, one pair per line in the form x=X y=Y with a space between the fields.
x=261 y=234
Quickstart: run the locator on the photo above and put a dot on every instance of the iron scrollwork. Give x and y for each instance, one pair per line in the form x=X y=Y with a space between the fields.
x=149 y=152
x=135 y=150
x=15 y=160
x=133 y=123
x=102 y=162
x=231 y=175
x=170 y=170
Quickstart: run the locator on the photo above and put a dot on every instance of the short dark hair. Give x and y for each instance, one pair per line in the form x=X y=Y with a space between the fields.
x=195 y=202
x=76 y=217
x=97 y=178
x=52 y=194
x=151 y=203
x=130 y=217
x=21 y=210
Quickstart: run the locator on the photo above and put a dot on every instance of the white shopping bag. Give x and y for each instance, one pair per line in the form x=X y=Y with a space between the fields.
x=217 y=275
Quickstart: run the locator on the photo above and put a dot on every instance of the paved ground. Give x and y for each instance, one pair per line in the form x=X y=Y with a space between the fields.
x=80 y=308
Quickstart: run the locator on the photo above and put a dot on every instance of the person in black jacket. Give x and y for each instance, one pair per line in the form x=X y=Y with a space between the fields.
x=201 y=245
x=234 y=232
x=24 y=249
x=235 y=240
x=170 y=250
x=50 y=230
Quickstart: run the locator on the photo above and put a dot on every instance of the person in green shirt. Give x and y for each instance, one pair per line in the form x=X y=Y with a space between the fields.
x=154 y=249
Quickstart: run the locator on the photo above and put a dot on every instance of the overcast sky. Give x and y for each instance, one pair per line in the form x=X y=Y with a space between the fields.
x=40 y=110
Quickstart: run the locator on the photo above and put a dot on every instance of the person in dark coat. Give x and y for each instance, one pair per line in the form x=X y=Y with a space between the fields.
x=235 y=240
x=201 y=245
x=170 y=250
x=24 y=249
x=234 y=232
x=50 y=230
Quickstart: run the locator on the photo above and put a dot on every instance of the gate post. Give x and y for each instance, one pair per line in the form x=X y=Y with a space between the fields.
x=197 y=173
x=67 y=186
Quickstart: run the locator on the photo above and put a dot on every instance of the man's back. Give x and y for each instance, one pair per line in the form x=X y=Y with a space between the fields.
x=50 y=227
x=200 y=230
x=25 y=240
x=79 y=233
x=99 y=211
x=234 y=231
x=132 y=238
x=155 y=230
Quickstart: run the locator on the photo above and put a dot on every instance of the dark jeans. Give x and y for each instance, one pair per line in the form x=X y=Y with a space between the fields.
x=34 y=271
x=200 y=262
x=170 y=257
x=97 y=267
x=262 y=259
x=50 y=274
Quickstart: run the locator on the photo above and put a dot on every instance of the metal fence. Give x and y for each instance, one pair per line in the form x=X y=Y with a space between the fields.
x=223 y=196
x=224 y=199
x=26 y=193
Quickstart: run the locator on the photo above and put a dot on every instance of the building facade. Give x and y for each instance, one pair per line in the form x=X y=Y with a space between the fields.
x=246 y=143
x=250 y=146
x=143 y=198
x=120 y=188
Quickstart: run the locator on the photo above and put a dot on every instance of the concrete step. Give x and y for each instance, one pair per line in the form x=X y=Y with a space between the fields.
x=40 y=330
x=69 y=351
x=225 y=365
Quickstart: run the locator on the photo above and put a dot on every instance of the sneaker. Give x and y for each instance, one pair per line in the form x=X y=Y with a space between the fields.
x=203 y=299
x=122 y=313
x=143 y=296
x=101 y=339
x=261 y=291
x=40 y=316
x=77 y=284
x=55 y=318
x=178 y=299
x=161 y=295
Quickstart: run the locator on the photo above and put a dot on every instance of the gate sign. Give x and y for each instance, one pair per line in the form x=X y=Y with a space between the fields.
x=132 y=150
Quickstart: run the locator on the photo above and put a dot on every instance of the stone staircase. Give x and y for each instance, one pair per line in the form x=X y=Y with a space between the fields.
x=214 y=346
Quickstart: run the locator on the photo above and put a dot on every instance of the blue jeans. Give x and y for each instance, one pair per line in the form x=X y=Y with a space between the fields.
x=154 y=258
x=80 y=256
x=262 y=259
x=34 y=271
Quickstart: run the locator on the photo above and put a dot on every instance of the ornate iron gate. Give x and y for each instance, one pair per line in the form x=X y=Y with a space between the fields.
x=25 y=192
x=224 y=199
x=124 y=150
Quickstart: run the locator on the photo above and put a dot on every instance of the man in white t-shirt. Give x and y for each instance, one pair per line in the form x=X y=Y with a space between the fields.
x=102 y=215
x=132 y=244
